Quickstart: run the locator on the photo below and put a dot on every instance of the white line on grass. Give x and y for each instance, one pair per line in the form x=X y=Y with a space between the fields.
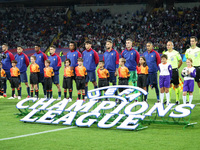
x=20 y=136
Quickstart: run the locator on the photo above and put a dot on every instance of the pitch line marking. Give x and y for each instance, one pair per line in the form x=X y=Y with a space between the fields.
x=20 y=136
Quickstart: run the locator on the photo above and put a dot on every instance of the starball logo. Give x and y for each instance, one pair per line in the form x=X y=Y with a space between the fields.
x=106 y=114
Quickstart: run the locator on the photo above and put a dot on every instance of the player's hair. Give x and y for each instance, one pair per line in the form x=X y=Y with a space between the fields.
x=172 y=43
x=38 y=45
x=53 y=46
x=123 y=60
x=14 y=61
x=68 y=61
x=5 y=44
x=194 y=37
x=150 y=43
x=88 y=42
x=80 y=59
x=164 y=56
x=190 y=59
x=33 y=57
x=48 y=61
x=145 y=63
x=109 y=41
x=75 y=45
x=102 y=61
x=129 y=39
x=20 y=46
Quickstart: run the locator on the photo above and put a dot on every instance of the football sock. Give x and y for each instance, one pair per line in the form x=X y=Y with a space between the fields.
x=36 y=93
x=65 y=93
x=184 y=99
x=86 y=90
x=59 y=94
x=31 y=93
x=167 y=97
x=161 y=97
x=70 y=93
x=190 y=99
x=18 y=90
x=83 y=95
x=13 y=92
x=79 y=95
x=28 y=90
x=50 y=93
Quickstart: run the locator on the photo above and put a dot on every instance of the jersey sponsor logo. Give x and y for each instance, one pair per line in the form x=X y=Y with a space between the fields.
x=127 y=115
x=21 y=58
x=131 y=53
x=74 y=55
x=40 y=56
x=112 y=54
x=90 y=54
x=151 y=55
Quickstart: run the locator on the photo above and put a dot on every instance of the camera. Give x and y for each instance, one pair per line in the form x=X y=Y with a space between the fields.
x=2 y=56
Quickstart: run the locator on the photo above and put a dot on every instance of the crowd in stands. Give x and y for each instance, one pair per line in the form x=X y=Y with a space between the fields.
x=28 y=26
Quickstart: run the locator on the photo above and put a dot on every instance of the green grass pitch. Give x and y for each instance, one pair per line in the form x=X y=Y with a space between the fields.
x=155 y=137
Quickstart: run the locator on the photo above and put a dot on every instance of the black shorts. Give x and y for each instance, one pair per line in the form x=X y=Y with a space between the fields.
x=197 y=78
x=34 y=78
x=142 y=80
x=175 y=77
x=103 y=82
x=14 y=81
x=80 y=83
x=122 y=81
x=48 y=83
x=67 y=83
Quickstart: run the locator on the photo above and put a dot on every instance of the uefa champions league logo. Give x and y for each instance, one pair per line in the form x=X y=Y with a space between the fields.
x=126 y=115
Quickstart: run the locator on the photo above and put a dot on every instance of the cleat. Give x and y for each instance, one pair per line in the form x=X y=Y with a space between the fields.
x=65 y=99
x=158 y=101
x=19 y=97
x=119 y=102
x=45 y=96
x=11 y=98
x=165 y=103
x=136 y=100
x=28 y=96
x=107 y=99
x=187 y=102
x=4 y=95
x=59 y=98
x=116 y=100
x=85 y=98
x=70 y=100
x=177 y=102
x=15 y=96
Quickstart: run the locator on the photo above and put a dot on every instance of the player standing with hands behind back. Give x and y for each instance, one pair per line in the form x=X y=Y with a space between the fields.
x=55 y=64
x=90 y=62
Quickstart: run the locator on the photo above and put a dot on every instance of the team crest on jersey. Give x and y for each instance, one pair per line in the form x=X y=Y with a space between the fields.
x=172 y=58
x=131 y=53
x=151 y=55
x=74 y=55
x=21 y=58
x=112 y=54
x=195 y=54
x=40 y=56
x=90 y=54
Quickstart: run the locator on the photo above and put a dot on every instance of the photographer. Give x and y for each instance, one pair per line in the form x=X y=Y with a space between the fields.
x=6 y=62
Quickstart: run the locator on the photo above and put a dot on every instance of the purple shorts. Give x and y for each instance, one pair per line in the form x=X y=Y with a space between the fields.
x=188 y=86
x=164 y=81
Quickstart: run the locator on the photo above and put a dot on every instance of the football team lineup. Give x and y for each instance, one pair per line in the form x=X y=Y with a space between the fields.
x=131 y=68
